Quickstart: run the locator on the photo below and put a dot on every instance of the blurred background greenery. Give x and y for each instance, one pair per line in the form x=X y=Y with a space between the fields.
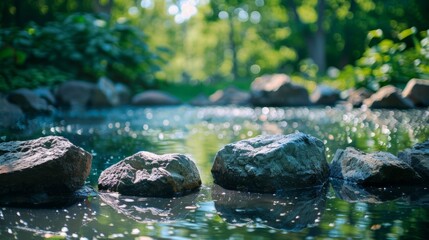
x=172 y=44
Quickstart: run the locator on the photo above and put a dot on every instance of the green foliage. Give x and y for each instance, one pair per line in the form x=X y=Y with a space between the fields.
x=389 y=61
x=80 y=46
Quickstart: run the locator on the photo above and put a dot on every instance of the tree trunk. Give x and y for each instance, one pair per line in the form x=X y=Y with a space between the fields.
x=233 y=48
x=317 y=42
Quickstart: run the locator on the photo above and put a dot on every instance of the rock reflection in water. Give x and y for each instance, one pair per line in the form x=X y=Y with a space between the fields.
x=143 y=209
x=355 y=193
x=291 y=210
x=26 y=223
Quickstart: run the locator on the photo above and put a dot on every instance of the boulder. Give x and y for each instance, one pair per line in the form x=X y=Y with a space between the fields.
x=230 y=96
x=325 y=95
x=10 y=114
x=74 y=94
x=46 y=94
x=388 y=97
x=200 y=100
x=271 y=163
x=104 y=94
x=150 y=175
x=154 y=98
x=292 y=210
x=417 y=90
x=371 y=169
x=29 y=102
x=418 y=158
x=278 y=90
x=357 y=96
x=123 y=92
x=47 y=165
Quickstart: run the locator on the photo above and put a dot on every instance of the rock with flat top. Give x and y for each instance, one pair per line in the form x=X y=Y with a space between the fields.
x=268 y=164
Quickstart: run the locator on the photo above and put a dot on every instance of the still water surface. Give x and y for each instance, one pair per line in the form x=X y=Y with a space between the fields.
x=334 y=211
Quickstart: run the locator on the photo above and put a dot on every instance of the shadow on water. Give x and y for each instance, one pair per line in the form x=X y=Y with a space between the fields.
x=291 y=210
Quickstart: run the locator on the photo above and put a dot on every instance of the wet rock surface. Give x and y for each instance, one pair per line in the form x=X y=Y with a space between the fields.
x=377 y=169
x=47 y=165
x=418 y=158
x=388 y=97
x=154 y=98
x=150 y=175
x=417 y=90
x=271 y=163
x=278 y=90
x=291 y=210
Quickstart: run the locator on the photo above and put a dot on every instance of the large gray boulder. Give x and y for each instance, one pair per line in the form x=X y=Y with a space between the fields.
x=418 y=158
x=46 y=94
x=230 y=96
x=372 y=169
x=388 y=97
x=325 y=95
x=154 y=98
x=417 y=90
x=124 y=93
x=74 y=94
x=29 y=102
x=50 y=165
x=272 y=163
x=10 y=114
x=278 y=90
x=150 y=175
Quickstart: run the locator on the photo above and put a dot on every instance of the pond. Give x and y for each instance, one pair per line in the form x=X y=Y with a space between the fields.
x=331 y=211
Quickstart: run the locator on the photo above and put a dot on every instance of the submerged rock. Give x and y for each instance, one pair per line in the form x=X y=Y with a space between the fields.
x=271 y=163
x=388 y=97
x=291 y=210
x=377 y=169
x=278 y=90
x=30 y=102
x=230 y=96
x=417 y=90
x=10 y=114
x=154 y=98
x=47 y=165
x=325 y=95
x=150 y=175
x=418 y=158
